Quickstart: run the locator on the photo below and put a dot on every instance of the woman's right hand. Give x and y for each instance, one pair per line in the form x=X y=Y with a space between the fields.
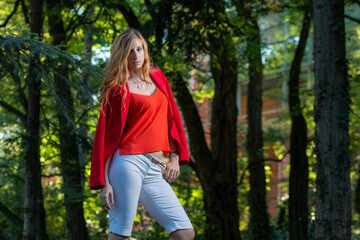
x=105 y=192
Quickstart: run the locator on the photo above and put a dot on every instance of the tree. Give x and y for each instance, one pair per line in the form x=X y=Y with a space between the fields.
x=216 y=167
x=259 y=220
x=299 y=169
x=83 y=128
x=31 y=122
x=32 y=156
x=333 y=201
x=72 y=186
x=218 y=173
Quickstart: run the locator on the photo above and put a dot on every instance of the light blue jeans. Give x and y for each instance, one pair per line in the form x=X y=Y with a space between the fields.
x=136 y=178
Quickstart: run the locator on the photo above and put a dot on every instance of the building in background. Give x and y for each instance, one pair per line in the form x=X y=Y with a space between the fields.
x=280 y=37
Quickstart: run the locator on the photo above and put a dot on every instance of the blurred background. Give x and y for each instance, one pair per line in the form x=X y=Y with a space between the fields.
x=243 y=75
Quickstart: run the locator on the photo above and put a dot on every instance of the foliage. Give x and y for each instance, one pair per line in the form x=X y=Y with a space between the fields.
x=16 y=51
x=187 y=32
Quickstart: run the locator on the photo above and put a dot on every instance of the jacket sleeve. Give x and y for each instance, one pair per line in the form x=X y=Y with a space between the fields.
x=181 y=144
x=107 y=137
x=97 y=157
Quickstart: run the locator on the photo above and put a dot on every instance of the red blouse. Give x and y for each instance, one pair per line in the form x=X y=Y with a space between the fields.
x=146 y=128
x=112 y=121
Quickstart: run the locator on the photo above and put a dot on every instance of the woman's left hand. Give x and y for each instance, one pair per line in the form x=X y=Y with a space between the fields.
x=172 y=169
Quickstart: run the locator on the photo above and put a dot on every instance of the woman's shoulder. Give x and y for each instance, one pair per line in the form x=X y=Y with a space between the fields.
x=155 y=72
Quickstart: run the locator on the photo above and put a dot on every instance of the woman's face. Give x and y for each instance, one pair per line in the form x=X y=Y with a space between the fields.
x=136 y=55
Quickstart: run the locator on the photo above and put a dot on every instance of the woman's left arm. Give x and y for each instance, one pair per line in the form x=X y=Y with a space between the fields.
x=173 y=167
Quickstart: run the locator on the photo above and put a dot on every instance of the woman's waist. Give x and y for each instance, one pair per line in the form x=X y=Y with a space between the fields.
x=158 y=154
x=159 y=151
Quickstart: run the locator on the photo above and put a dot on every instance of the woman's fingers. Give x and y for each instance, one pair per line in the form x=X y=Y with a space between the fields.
x=171 y=175
x=112 y=197
x=175 y=174
x=173 y=170
x=167 y=176
x=107 y=204
x=105 y=193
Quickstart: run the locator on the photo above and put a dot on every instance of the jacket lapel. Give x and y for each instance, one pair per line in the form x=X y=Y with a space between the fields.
x=159 y=83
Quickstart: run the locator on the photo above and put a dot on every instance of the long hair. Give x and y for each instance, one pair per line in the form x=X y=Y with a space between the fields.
x=117 y=72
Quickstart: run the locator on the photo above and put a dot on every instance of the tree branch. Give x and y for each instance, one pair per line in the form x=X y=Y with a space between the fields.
x=272 y=160
x=150 y=8
x=11 y=14
x=13 y=110
x=267 y=159
x=113 y=22
x=83 y=115
x=51 y=175
x=25 y=11
x=75 y=26
x=73 y=19
x=129 y=15
x=198 y=146
x=355 y=114
x=11 y=216
x=352 y=18
x=20 y=90
x=3 y=235
x=243 y=175
x=356 y=1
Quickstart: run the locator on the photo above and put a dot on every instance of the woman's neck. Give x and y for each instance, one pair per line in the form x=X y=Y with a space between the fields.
x=135 y=74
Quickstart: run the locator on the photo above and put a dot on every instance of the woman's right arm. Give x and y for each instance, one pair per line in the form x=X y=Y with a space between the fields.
x=106 y=190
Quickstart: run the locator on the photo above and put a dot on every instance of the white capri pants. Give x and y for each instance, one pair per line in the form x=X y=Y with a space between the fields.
x=136 y=178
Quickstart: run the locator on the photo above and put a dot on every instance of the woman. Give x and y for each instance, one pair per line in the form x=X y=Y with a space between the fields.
x=139 y=123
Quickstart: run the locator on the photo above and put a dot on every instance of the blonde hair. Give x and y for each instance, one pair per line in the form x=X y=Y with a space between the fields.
x=117 y=72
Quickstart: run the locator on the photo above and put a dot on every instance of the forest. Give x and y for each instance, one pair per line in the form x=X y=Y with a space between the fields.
x=268 y=92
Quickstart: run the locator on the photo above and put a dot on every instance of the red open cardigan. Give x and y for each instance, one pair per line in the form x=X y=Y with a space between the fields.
x=111 y=124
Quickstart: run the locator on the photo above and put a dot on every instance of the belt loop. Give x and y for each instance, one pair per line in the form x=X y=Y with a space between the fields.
x=155 y=160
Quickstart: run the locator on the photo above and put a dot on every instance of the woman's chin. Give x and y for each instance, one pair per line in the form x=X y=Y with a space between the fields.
x=135 y=68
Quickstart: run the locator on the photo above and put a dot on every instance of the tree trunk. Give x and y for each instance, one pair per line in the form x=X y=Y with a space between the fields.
x=259 y=219
x=41 y=233
x=32 y=156
x=220 y=197
x=84 y=100
x=72 y=187
x=18 y=222
x=357 y=195
x=218 y=172
x=333 y=192
x=299 y=171
x=220 y=202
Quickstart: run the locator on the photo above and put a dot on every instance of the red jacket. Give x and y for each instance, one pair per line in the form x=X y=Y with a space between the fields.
x=111 y=125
